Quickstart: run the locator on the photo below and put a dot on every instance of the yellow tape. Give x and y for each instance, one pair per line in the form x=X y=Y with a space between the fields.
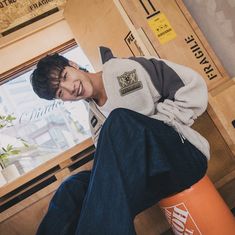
x=161 y=28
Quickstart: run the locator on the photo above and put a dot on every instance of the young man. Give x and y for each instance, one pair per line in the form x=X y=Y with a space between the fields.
x=141 y=110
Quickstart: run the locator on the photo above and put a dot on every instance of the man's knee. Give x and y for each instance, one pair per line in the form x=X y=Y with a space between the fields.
x=80 y=179
x=129 y=117
x=118 y=113
x=117 y=118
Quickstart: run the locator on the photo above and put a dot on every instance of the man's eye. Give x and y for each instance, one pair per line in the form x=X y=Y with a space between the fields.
x=65 y=76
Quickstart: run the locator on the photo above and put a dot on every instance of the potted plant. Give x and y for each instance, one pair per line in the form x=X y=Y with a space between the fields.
x=2 y=178
x=8 y=172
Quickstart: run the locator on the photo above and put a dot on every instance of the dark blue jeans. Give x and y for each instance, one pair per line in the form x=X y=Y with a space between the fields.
x=138 y=162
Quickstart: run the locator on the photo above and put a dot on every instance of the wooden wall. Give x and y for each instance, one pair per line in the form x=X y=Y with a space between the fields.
x=97 y=23
x=19 y=47
x=114 y=23
x=123 y=26
x=24 y=202
x=189 y=47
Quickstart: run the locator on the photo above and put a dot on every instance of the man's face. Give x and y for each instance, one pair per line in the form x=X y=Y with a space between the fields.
x=74 y=85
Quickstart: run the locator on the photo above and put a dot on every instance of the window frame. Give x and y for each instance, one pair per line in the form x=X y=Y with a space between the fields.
x=60 y=162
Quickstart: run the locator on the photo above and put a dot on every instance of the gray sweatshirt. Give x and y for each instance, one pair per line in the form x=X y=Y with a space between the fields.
x=159 y=89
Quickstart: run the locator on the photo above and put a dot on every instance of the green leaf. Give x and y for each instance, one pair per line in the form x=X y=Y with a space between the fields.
x=15 y=152
x=3 y=156
x=25 y=144
x=10 y=118
x=9 y=147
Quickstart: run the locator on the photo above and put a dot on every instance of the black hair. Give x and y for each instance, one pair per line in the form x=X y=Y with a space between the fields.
x=45 y=78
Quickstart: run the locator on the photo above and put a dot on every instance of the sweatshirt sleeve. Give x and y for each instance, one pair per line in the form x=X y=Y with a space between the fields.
x=184 y=104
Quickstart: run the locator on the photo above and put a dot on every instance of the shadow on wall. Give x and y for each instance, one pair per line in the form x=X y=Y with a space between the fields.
x=216 y=20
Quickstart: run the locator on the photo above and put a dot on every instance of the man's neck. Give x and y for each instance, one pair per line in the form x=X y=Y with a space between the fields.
x=99 y=95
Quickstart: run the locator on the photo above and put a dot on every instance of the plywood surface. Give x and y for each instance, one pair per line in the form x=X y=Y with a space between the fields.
x=189 y=47
x=222 y=110
x=97 y=23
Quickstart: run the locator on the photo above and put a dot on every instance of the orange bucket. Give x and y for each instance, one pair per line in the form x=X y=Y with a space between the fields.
x=199 y=210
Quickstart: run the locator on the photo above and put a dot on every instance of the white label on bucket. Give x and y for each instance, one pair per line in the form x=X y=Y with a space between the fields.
x=180 y=220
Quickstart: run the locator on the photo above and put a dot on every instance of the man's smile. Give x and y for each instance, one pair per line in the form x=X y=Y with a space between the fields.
x=80 y=90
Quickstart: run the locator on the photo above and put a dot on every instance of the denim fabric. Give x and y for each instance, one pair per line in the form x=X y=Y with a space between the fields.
x=65 y=206
x=138 y=161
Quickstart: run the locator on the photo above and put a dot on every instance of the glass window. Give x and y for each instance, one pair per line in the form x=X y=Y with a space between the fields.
x=41 y=129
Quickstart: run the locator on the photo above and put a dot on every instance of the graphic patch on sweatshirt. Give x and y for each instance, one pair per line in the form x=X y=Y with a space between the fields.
x=128 y=82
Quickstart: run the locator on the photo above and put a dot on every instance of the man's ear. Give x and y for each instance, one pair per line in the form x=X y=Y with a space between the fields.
x=73 y=64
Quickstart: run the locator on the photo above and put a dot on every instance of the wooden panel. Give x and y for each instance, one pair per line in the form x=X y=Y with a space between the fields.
x=189 y=47
x=184 y=49
x=26 y=222
x=19 y=219
x=222 y=159
x=222 y=110
x=15 y=13
x=17 y=198
x=28 y=202
x=151 y=222
x=47 y=166
x=97 y=24
x=227 y=191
